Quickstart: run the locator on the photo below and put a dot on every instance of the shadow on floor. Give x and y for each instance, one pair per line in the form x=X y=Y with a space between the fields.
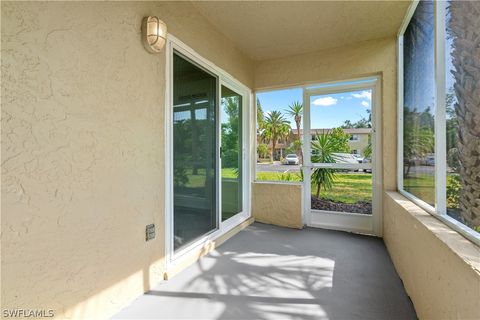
x=268 y=272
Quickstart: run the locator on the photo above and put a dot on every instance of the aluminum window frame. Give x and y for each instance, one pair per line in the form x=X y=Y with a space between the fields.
x=337 y=220
x=438 y=211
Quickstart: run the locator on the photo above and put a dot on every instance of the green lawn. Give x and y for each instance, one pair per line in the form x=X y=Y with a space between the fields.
x=348 y=187
x=421 y=186
x=198 y=180
x=229 y=173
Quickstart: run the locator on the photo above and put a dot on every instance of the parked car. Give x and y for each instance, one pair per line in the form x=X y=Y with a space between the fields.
x=344 y=158
x=292 y=159
x=430 y=160
x=358 y=157
x=367 y=160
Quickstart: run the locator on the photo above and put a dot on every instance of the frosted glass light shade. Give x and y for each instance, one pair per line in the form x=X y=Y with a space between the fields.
x=154 y=33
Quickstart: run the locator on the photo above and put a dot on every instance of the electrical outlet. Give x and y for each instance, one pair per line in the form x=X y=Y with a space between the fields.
x=149 y=232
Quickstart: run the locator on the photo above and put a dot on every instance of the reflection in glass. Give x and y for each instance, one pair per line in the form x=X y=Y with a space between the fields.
x=462 y=107
x=419 y=104
x=231 y=153
x=194 y=145
x=341 y=128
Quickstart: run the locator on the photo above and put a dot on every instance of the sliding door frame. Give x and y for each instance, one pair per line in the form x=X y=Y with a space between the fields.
x=172 y=258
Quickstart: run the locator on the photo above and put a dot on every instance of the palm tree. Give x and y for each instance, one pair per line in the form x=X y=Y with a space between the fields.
x=274 y=127
x=295 y=110
x=323 y=148
x=284 y=132
x=262 y=150
x=418 y=136
x=260 y=116
x=463 y=28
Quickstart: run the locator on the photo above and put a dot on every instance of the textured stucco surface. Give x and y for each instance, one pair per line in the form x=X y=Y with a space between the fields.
x=441 y=283
x=277 y=203
x=316 y=25
x=440 y=269
x=83 y=152
x=376 y=57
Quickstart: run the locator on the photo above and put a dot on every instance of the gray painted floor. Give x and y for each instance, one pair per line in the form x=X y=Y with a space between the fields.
x=268 y=272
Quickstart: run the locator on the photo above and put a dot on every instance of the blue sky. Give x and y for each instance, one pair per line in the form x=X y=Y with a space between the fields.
x=450 y=80
x=327 y=111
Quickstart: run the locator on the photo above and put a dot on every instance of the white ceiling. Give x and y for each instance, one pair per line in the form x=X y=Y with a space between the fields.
x=273 y=29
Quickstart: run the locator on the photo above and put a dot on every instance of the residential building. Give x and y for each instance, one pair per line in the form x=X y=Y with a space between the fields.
x=359 y=137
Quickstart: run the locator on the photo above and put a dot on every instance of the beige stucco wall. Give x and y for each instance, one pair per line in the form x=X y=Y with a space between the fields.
x=83 y=152
x=376 y=57
x=440 y=269
x=277 y=203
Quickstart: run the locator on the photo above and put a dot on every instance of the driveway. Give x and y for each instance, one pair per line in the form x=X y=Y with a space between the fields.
x=277 y=167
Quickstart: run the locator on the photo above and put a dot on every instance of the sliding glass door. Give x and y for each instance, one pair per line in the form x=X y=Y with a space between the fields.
x=207 y=176
x=231 y=153
x=194 y=152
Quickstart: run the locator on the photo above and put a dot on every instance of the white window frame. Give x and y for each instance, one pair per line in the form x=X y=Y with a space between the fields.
x=173 y=259
x=352 y=222
x=439 y=210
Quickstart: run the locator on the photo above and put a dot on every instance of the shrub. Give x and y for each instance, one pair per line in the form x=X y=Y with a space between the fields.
x=453 y=191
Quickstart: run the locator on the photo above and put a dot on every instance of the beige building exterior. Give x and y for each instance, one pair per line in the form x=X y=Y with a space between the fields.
x=359 y=139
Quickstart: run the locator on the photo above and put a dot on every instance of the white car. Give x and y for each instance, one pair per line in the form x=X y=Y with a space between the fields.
x=358 y=157
x=345 y=158
x=430 y=160
x=292 y=159
x=367 y=160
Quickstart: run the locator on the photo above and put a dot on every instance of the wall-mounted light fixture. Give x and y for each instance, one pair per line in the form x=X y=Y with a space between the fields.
x=154 y=33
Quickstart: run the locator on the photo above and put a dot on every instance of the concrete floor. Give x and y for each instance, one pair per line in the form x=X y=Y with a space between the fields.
x=268 y=272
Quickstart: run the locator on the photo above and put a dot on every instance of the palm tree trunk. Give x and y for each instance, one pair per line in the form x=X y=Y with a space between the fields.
x=273 y=148
x=299 y=139
x=298 y=129
x=465 y=19
x=318 y=190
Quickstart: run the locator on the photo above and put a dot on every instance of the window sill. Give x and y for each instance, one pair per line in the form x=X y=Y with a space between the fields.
x=296 y=183
x=460 y=246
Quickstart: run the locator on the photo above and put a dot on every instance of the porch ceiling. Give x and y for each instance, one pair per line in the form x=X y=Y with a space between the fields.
x=269 y=30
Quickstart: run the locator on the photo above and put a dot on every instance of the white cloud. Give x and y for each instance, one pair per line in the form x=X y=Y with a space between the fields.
x=366 y=104
x=327 y=101
x=363 y=95
x=266 y=113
